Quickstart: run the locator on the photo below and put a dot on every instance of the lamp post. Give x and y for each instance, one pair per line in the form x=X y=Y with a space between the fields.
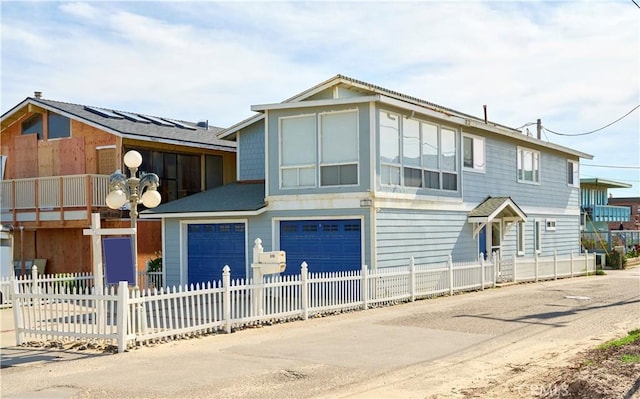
x=142 y=190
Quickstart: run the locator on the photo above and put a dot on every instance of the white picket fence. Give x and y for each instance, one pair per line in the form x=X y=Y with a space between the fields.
x=126 y=317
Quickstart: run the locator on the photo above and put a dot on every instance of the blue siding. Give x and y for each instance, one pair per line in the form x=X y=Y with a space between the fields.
x=251 y=152
x=428 y=236
x=171 y=253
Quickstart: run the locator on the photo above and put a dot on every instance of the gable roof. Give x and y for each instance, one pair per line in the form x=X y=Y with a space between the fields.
x=493 y=207
x=234 y=198
x=395 y=98
x=128 y=125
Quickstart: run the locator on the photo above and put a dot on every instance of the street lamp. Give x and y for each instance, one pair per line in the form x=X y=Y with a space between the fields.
x=143 y=190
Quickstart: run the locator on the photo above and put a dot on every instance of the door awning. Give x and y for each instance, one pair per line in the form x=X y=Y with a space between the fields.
x=501 y=208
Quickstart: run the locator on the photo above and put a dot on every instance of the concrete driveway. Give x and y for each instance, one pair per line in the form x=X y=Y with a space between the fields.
x=429 y=347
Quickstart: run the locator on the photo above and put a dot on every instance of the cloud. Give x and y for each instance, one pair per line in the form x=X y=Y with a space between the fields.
x=574 y=65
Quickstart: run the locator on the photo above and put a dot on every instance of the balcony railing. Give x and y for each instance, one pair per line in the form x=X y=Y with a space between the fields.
x=608 y=213
x=52 y=198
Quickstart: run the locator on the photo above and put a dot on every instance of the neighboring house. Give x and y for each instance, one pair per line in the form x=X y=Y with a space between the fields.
x=633 y=203
x=598 y=214
x=348 y=173
x=56 y=159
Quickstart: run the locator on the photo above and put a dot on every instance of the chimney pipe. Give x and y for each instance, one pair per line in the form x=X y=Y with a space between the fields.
x=485 y=113
x=37 y=94
x=539 y=128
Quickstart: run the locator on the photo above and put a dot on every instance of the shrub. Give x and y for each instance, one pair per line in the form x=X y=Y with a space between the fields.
x=615 y=260
x=155 y=264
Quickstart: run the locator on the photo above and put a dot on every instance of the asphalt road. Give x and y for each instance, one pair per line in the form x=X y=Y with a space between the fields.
x=429 y=348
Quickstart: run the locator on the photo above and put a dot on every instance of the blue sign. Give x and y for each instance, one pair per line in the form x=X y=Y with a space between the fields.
x=118 y=260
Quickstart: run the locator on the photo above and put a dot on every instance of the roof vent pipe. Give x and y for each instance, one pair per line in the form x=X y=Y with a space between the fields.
x=485 y=113
x=539 y=128
x=37 y=94
x=204 y=124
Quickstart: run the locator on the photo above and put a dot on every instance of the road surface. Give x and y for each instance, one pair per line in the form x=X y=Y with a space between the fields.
x=485 y=342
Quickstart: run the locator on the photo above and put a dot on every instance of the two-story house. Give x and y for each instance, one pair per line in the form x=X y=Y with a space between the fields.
x=56 y=160
x=348 y=173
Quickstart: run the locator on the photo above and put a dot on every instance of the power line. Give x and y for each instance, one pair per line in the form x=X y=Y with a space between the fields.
x=596 y=130
x=634 y=2
x=610 y=166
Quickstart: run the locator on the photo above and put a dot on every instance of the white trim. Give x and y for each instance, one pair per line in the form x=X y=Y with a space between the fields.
x=550 y=225
x=474 y=137
x=179 y=215
x=537 y=237
x=266 y=155
x=576 y=173
x=106 y=147
x=314 y=103
x=521 y=238
x=519 y=178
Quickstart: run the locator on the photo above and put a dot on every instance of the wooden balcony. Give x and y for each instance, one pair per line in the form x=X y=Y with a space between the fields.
x=58 y=201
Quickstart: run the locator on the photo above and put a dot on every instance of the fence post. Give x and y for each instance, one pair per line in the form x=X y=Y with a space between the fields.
x=535 y=258
x=17 y=312
x=34 y=280
x=364 y=287
x=450 y=264
x=482 y=273
x=304 y=290
x=496 y=272
x=226 y=298
x=555 y=264
x=123 y=314
x=586 y=261
x=571 y=272
x=412 y=279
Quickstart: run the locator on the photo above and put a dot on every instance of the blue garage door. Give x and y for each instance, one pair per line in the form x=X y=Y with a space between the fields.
x=326 y=245
x=211 y=247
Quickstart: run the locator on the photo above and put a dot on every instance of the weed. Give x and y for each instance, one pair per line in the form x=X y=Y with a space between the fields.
x=632 y=337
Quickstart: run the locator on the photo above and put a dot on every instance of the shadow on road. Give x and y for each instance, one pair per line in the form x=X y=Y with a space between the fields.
x=16 y=356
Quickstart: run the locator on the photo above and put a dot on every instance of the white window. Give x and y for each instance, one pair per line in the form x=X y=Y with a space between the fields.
x=537 y=236
x=520 y=238
x=339 y=148
x=573 y=174
x=528 y=165
x=389 y=148
x=298 y=151
x=473 y=153
x=551 y=225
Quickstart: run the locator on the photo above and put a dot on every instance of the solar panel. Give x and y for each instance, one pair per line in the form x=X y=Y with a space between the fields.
x=182 y=125
x=158 y=120
x=103 y=112
x=132 y=117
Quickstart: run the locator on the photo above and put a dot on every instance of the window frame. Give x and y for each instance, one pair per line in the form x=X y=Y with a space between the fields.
x=550 y=225
x=573 y=172
x=316 y=167
x=474 y=139
x=51 y=116
x=521 y=235
x=339 y=164
x=427 y=171
x=537 y=236
x=536 y=166
x=38 y=133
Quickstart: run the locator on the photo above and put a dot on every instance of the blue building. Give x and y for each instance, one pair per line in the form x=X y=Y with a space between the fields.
x=348 y=173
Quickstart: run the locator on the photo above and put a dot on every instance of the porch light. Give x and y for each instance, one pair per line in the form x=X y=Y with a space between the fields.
x=134 y=190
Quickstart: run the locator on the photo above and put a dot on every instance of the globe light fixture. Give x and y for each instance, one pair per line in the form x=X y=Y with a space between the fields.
x=134 y=190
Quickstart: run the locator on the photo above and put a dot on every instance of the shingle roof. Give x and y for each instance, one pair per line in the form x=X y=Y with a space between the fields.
x=502 y=205
x=233 y=197
x=179 y=132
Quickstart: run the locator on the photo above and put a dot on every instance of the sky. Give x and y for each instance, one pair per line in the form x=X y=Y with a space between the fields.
x=575 y=65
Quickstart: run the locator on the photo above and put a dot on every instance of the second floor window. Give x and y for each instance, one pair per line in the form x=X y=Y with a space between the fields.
x=573 y=174
x=33 y=125
x=473 y=152
x=426 y=153
x=58 y=126
x=528 y=166
x=326 y=143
